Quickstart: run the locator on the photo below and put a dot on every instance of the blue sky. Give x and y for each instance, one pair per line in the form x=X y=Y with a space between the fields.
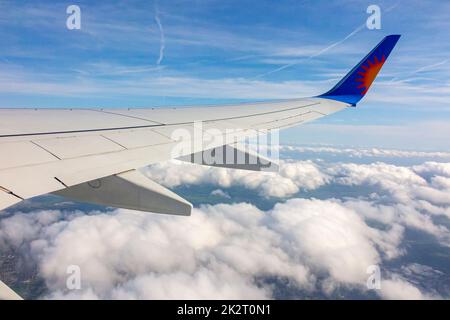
x=206 y=52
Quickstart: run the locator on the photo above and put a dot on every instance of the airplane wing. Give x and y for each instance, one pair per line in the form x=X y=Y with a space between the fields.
x=92 y=155
x=6 y=293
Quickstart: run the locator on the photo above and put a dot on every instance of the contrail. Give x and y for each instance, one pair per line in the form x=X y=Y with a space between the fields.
x=424 y=68
x=162 y=41
x=431 y=66
x=331 y=46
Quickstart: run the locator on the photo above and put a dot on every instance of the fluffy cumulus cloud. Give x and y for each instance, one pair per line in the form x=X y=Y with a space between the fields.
x=230 y=250
x=405 y=192
x=220 y=193
x=399 y=289
x=219 y=252
x=344 y=252
x=366 y=153
x=292 y=177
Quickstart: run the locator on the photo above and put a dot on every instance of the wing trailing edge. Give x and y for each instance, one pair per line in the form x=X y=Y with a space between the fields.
x=6 y=293
x=232 y=157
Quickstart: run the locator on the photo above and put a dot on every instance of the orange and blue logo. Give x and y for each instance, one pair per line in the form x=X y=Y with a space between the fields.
x=357 y=82
x=368 y=73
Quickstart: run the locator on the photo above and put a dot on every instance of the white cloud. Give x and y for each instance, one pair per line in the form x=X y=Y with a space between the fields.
x=206 y=284
x=223 y=251
x=210 y=254
x=293 y=177
x=173 y=85
x=407 y=196
x=433 y=168
x=367 y=152
x=220 y=193
x=399 y=289
x=218 y=252
x=329 y=236
x=426 y=134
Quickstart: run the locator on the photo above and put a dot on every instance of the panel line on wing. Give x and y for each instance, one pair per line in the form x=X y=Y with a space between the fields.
x=60 y=181
x=48 y=151
x=127 y=115
x=10 y=192
x=113 y=141
x=151 y=126
x=286 y=118
x=264 y=113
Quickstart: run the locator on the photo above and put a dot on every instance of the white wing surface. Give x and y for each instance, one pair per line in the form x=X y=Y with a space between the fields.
x=46 y=150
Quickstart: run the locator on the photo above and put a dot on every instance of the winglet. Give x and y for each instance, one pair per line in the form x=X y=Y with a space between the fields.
x=356 y=83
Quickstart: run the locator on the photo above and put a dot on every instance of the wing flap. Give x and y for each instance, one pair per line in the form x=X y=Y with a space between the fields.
x=130 y=190
x=137 y=138
x=43 y=178
x=22 y=153
x=72 y=147
x=232 y=157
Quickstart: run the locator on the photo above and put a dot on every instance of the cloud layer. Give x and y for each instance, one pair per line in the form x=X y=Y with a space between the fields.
x=318 y=246
x=219 y=252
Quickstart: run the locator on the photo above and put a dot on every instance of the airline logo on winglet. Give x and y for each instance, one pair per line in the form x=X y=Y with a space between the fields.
x=357 y=82
x=368 y=73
